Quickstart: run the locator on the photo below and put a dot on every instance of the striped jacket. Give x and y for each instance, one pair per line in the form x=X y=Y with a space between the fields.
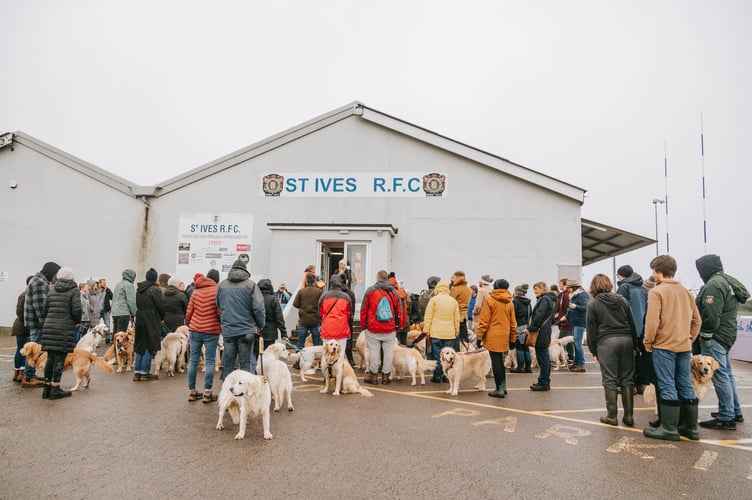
x=203 y=314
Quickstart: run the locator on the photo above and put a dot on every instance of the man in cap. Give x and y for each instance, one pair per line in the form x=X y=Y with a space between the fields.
x=243 y=315
x=34 y=314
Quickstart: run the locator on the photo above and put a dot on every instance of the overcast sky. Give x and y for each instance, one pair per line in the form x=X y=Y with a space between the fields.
x=585 y=91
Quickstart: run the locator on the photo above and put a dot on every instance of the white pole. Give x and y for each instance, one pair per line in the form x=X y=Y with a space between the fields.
x=704 y=215
x=665 y=190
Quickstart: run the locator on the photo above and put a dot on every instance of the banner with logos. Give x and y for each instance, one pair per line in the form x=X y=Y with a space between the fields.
x=344 y=185
x=742 y=349
x=212 y=241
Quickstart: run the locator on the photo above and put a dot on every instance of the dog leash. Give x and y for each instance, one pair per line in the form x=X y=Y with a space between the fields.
x=298 y=349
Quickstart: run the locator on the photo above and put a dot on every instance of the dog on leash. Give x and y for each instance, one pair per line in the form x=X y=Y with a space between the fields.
x=174 y=347
x=79 y=361
x=334 y=364
x=93 y=338
x=701 y=369
x=409 y=361
x=308 y=357
x=557 y=351
x=244 y=394
x=459 y=366
x=276 y=370
x=121 y=350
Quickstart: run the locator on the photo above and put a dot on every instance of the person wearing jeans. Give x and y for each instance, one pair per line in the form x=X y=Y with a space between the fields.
x=540 y=321
x=148 y=326
x=34 y=313
x=575 y=317
x=202 y=318
x=729 y=408
x=442 y=324
x=307 y=303
x=672 y=322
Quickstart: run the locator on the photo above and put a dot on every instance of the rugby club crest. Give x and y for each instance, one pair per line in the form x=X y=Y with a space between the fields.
x=434 y=184
x=272 y=184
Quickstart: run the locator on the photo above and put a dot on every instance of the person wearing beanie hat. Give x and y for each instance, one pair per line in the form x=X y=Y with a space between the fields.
x=630 y=285
x=64 y=310
x=243 y=315
x=213 y=274
x=483 y=290
x=34 y=315
x=151 y=313
x=497 y=330
x=175 y=305
x=124 y=301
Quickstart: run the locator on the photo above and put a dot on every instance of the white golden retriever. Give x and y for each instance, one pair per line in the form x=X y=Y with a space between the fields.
x=93 y=338
x=276 y=370
x=459 y=366
x=409 y=361
x=334 y=365
x=307 y=358
x=244 y=394
x=557 y=351
x=174 y=347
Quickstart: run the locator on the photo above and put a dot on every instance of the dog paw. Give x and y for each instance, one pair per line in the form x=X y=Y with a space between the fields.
x=335 y=394
x=323 y=391
x=220 y=427
x=267 y=435
x=290 y=408
x=240 y=436
x=276 y=409
x=119 y=370
x=127 y=369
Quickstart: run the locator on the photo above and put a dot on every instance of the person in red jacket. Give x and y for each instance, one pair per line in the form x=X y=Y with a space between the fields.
x=404 y=326
x=202 y=318
x=380 y=321
x=334 y=308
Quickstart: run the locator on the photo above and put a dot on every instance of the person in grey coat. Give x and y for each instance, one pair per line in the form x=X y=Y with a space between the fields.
x=124 y=301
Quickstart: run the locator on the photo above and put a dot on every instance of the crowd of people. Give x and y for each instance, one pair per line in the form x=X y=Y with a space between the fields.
x=644 y=331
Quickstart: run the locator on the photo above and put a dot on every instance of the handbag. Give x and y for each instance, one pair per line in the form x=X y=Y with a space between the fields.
x=532 y=338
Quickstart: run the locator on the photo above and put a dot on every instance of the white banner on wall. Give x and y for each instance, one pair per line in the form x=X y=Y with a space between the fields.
x=351 y=185
x=742 y=349
x=212 y=241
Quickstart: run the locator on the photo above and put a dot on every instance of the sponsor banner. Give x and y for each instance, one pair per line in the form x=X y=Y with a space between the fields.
x=212 y=241
x=742 y=348
x=354 y=185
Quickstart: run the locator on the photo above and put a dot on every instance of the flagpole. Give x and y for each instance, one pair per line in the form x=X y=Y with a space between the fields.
x=665 y=189
x=704 y=213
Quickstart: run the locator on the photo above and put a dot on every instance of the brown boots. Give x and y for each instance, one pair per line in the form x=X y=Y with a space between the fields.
x=371 y=378
x=385 y=379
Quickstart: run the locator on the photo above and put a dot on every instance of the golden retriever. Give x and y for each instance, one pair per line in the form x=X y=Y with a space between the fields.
x=459 y=366
x=80 y=361
x=334 y=365
x=276 y=370
x=416 y=331
x=244 y=394
x=93 y=338
x=121 y=350
x=701 y=369
x=361 y=345
x=174 y=347
x=308 y=357
x=557 y=351
x=409 y=361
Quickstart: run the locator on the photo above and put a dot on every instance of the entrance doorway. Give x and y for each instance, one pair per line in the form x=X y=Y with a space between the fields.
x=355 y=255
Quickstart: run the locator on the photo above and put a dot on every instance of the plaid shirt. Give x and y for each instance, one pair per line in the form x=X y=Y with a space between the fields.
x=36 y=297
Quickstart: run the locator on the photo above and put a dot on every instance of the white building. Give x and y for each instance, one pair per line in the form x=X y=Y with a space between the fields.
x=353 y=183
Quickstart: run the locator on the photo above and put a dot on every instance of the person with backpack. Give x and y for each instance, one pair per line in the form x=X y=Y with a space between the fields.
x=718 y=302
x=425 y=296
x=380 y=319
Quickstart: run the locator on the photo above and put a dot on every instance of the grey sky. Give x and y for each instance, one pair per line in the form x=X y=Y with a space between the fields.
x=585 y=91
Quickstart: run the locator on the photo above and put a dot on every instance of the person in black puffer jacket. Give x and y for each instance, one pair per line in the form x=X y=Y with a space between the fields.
x=540 y=321
x=274 y=319
x=175 y=305
x=62 y=313
x=148 y=325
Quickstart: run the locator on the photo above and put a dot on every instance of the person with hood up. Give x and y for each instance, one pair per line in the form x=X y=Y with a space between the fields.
x=307 y=303
x=425 y=296
x=630 y=286
x=522 y=312
x=175 y=304
x=274 y=322
x=442 y=324
x=83 y=289
x=497 y=329
x=151 y=313
x=95 y=303
x=124 y=301
x=34 y=307
x=612 y=340
x=202 y=317
x=62 y=312
x=540 y=321
x=380 y=319
x=575 y=317
x=335 y=309
x=484 y=288
x=243 y=314
x=462 y=293
x=718 y=302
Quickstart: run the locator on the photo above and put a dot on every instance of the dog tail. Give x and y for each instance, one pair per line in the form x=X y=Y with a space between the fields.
x=427 y=364
x=294 y=357
x=98 y=362
x=566 y=340
x=648 y=396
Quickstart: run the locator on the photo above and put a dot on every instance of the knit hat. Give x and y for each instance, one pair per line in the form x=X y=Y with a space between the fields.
x=213 y=274
x=65 y=273
x=239 y=264
x=625 y=271
x=174 y=281
x=152 y=274
x=501 y=284
x=486 y=280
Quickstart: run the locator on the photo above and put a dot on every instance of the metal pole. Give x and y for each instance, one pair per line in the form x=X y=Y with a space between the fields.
x=656 y=201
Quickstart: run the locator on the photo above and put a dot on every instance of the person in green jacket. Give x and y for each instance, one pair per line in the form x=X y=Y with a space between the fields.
x=718 y=301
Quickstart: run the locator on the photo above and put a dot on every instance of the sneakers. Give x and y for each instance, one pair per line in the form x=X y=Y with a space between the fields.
x=149 y=376
x=540 y=387
x=725 y=425
x=517 y=370
x=194 y=396
x=209 y=397
x=31 y=382
x=738 y=419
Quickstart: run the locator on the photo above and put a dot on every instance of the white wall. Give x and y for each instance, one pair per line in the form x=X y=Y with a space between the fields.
x=57 y=214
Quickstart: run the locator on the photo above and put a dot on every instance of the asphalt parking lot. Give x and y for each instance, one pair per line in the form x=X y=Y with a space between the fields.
x=145 y=440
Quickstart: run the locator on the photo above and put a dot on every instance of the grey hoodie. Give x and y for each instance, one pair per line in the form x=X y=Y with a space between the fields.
x=124 y=295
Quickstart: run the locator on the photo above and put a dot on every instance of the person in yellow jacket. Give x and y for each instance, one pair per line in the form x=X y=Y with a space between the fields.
x=442 y=324
x=497 y=329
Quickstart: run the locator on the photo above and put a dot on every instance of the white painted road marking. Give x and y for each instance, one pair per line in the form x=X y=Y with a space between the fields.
x=565 y=432
x=706 y=460
x=509 y=423
x=628 y=444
